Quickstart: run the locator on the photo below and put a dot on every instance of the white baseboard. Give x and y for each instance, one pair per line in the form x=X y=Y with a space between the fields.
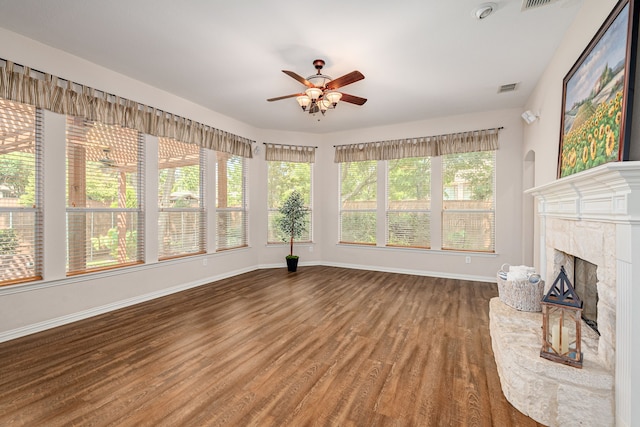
x=284 y=265
x=85 y=314
x=438 y=274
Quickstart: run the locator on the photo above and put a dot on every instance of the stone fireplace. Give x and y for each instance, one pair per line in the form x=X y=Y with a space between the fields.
x=592 y=242
x=589 y=223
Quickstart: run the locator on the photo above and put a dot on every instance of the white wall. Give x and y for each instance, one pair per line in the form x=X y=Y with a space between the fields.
x=38 y=56
x=31 y=307
x=434 y=262
x=273 y=255
x=543 y=136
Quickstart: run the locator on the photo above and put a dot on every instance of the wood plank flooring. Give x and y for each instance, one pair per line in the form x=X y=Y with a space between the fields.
x=324 y=346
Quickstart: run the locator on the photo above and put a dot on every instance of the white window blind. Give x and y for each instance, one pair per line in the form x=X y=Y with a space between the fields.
x=358 y=202
x=282 y=179
x=104 y=196
x=468 y=216
x=408 y=202
x=20 y=193
x=231 y=202
x=181 y=223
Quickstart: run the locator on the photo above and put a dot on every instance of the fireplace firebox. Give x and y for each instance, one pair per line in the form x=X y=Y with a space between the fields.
x=584 y=277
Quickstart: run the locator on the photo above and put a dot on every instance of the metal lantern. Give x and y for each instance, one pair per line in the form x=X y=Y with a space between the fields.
x=562 y=323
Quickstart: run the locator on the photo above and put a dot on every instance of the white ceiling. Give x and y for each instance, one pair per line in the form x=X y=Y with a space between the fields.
x=421 y=58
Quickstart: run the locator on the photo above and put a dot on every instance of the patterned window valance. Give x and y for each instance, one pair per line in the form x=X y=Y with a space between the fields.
x=428 y=146
x=290 y=153
x=65 y=97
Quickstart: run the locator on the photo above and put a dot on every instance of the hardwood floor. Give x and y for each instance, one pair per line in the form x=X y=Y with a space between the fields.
x=323 y=346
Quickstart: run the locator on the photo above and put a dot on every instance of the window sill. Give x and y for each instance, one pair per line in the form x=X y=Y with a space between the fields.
x=420 y=250
x=295 y=244
x=93 y=275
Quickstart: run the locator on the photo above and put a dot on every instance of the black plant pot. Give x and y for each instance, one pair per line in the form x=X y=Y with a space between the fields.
x=292 y=263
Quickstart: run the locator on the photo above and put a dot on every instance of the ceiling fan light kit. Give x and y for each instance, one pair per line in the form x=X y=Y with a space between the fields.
x=321 y=93
x=333 y=97
x=304 y=101
x=106 y=161
x=313 y=93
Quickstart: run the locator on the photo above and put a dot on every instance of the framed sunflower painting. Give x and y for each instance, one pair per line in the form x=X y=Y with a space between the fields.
x=597 y=95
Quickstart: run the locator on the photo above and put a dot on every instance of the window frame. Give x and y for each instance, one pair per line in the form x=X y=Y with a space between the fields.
x=201 y=231
x=32 y=262
x=491 y=212
x=389 y=211
x=118 y=212
x=272 y=211
x=342 y=211
x=243 y=209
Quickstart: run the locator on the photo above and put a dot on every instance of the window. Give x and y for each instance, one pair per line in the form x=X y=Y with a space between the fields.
x=282 y=179
x=20 y=192
x=408 y=202
x=468 y=190
x=181 y=224
x=104 y=194
x=358 y=202
x=231 y=203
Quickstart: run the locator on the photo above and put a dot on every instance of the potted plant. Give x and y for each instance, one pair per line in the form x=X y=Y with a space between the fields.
x=292 y=223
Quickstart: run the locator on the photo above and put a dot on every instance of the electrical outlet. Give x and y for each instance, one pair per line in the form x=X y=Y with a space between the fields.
x=467 y=259
x=204 y=261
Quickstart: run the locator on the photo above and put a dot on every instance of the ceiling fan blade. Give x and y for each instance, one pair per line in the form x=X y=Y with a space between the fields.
x=347 y=79
x=284 y=97
x=352 y=99
x=299 y=78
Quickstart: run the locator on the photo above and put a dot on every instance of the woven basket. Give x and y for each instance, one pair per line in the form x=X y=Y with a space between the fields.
x=521 y=294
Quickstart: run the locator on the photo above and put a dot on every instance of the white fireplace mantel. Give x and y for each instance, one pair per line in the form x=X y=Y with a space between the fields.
x=609 y=193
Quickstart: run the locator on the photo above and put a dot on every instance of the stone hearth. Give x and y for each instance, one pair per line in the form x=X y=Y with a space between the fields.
x=594 y=215
x=551 y=393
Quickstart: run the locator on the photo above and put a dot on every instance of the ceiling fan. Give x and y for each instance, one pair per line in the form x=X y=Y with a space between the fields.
x=107 y=162
x=321 y=93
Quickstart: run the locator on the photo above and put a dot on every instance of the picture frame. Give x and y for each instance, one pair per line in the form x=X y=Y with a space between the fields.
x=597 y=95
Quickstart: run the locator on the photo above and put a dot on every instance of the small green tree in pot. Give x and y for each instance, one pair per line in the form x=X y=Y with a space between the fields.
x=292 y=223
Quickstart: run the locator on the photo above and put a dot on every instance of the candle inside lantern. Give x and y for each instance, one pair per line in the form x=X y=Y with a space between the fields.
x=560 y=343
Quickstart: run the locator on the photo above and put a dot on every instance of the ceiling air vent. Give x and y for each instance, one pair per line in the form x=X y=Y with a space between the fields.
x=507 y=88
x=532 y=4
